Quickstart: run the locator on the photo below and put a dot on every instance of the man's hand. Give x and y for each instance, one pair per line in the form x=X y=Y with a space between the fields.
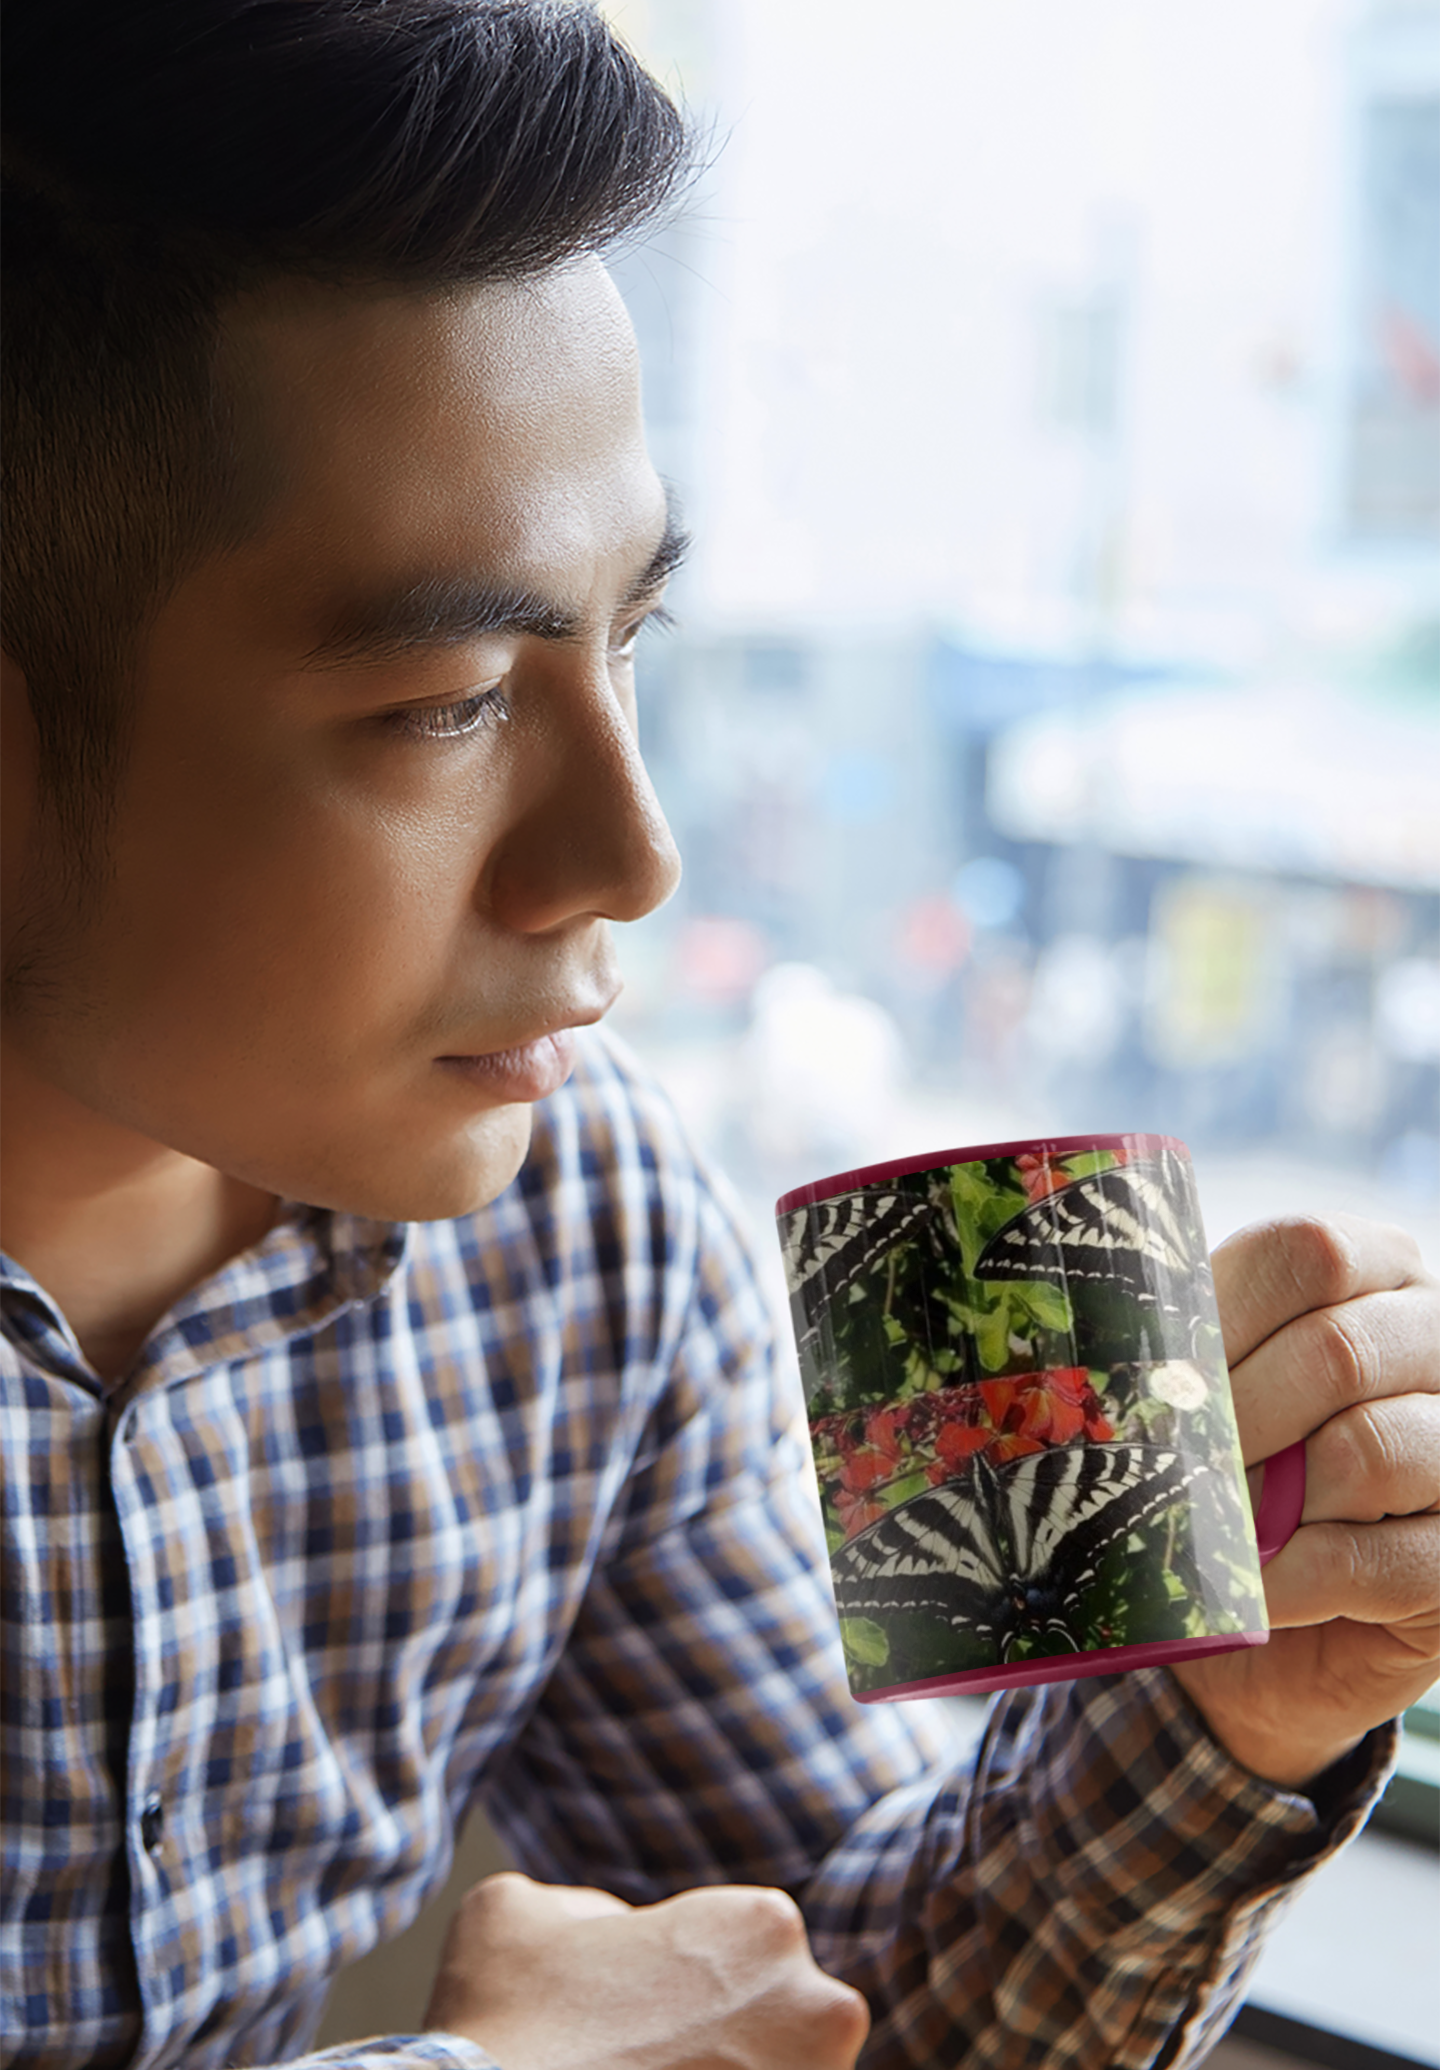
x=715 y=1979
x=1332 y=1332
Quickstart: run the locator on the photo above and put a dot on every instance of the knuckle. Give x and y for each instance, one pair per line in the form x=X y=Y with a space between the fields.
x=844 y=2020
x=1357 y=1456
x=1343 y=1357
x=1321 y=1257
x=495 y=1892
x=775 y=1915
x=1407 y=1244
x=1355 y=1559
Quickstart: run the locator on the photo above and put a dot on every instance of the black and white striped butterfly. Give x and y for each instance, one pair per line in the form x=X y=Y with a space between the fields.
x=831 y=1245
x=1007 y=1552
x=1127 y=1227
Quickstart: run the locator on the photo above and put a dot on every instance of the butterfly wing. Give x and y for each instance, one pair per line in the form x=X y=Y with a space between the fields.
x=833 y=1243
x=1069 y=1505
x=1125 y=1228
x=938 y=1552
x=1005 y=1551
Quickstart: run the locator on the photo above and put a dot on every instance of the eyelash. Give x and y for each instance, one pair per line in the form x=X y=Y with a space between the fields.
x=471 y=715
x=450 y=721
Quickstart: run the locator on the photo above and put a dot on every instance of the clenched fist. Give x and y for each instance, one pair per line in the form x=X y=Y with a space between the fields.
x=1332 y=1331
x=716 y=1979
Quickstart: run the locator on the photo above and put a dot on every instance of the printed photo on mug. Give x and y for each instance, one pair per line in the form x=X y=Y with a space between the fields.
x=1020 y=1415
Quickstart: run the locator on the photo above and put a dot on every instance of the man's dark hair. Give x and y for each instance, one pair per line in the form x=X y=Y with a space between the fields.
x=161 y=156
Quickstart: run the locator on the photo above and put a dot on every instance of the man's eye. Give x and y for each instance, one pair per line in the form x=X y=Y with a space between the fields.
x=449 y=721
x=622 y=647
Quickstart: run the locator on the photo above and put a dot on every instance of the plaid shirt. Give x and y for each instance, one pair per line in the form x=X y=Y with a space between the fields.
x=389 y=1517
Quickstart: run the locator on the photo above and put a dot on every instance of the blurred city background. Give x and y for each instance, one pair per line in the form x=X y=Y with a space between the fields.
x=1052 y=731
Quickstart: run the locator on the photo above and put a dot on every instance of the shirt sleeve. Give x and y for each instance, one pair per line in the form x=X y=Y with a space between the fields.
x=1093 y=1888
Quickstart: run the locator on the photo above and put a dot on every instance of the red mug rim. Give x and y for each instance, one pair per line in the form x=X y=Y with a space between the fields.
x=896 y=1168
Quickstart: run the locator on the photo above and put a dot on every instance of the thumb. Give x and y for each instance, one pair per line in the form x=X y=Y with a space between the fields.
x=581 y=1901
x=514 y=1893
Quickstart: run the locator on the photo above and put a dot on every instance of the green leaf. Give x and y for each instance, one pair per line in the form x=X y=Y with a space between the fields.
x=992 y=1338
x=920 y=1377
x=1086 y=1162
x=1044 y=1302
x=901 y=1491
x=864 y=1641
x=964 y=1314
x=1004 y=1204
x=970 y=1190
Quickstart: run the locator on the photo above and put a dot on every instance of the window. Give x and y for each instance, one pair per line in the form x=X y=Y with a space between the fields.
x=1053 y=735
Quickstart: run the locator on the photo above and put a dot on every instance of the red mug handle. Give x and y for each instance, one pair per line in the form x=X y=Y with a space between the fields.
x=1282 y=1497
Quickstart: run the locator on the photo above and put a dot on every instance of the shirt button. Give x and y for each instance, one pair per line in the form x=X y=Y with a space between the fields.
x=152 y=1823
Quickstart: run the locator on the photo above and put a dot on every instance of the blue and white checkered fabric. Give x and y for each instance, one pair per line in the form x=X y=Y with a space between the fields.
x=386 y=1517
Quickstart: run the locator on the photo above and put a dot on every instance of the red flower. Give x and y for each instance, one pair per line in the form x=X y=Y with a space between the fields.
x=863 y=1453
x=865 y=1467
x=958 y=1405
x=884 y=1454
x=851 y=1430
x=856 y=1511
x=886 y=1428
x=1039 y=1175
x=1012 y=1444
x=1052 y=1407
x=923 y=1415
x=957 y=1442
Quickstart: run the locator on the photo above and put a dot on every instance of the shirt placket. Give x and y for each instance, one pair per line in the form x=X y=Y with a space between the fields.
x=153 y=1762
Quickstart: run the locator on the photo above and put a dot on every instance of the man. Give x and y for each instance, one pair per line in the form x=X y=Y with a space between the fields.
x=388 y=1405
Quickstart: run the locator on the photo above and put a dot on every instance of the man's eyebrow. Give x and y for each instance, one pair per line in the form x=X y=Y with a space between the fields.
x=448 y=610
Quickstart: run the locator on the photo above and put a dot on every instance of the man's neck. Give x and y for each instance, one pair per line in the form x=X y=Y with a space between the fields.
x=114 y=1227
x=112 y=1289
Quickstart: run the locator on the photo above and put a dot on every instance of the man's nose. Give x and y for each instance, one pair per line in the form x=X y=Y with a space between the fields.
x=590 y=837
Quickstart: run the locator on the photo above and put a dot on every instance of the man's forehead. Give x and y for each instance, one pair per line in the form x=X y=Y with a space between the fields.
x=359 y=391
x=411 y=452
x=292 y=333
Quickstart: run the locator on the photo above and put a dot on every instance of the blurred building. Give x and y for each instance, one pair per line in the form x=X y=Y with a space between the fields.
x=1057 y=395
x=1053 y=732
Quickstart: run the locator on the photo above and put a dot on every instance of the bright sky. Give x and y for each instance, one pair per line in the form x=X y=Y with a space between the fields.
x=892 y=221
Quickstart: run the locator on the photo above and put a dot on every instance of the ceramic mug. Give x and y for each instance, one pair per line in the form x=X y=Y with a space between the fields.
x=1020 y=1417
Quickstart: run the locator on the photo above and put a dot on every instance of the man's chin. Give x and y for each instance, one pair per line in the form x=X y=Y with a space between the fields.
x=457 y=1177
x=476 y=1171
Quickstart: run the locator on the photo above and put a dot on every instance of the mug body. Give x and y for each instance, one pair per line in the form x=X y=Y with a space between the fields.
x=1020 y=1415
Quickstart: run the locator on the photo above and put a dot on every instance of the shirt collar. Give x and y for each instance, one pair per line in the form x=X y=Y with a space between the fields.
x=310 y=1265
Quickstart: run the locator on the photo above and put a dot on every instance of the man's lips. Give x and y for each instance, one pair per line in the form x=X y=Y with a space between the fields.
x=563 y=1023
x=533 y=1067
x=529 y=1071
